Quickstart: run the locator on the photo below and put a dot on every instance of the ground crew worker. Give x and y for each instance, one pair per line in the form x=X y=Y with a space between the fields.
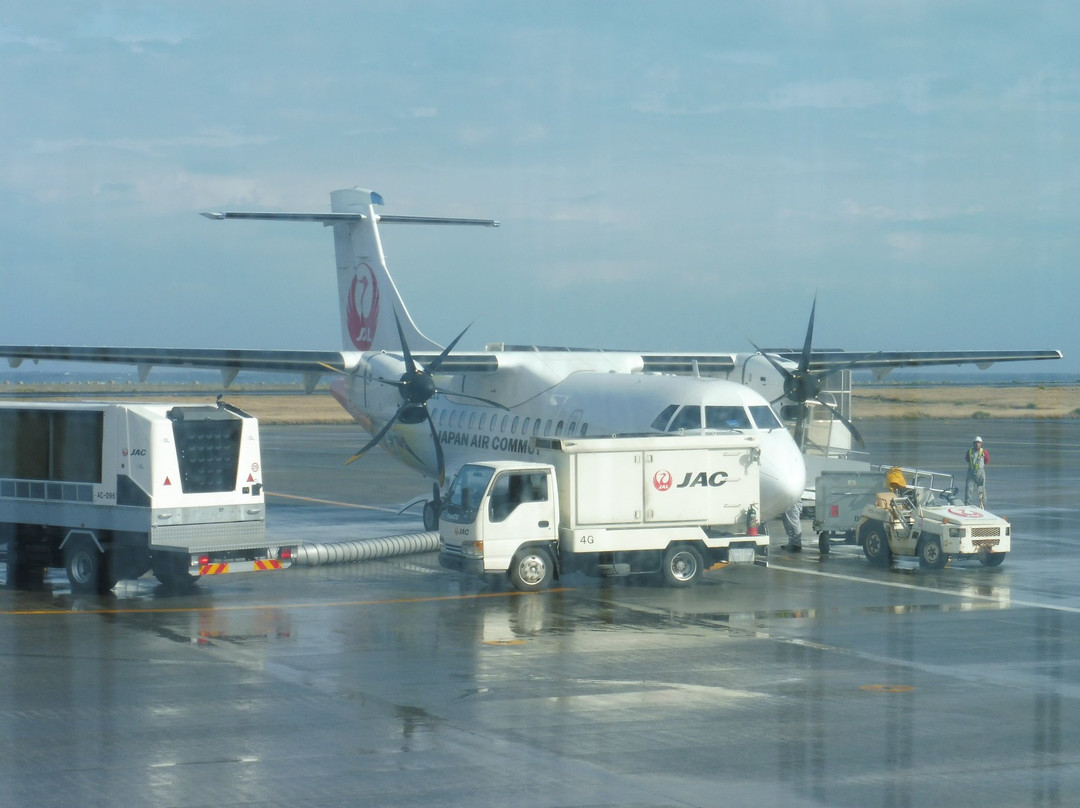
x=792 y=519
x=977 y=459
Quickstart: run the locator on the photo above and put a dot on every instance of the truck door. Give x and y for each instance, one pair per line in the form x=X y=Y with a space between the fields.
x=521 y=506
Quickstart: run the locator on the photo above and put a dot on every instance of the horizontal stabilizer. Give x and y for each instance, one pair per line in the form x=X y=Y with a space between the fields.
x=343 y=218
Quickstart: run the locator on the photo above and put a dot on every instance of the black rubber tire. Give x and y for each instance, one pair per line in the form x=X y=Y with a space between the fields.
x=532 y=570
x=85 y=565
x=823 y=543
x=431 y=516
x=876 y=544
x=931 y=556
x=988 y=559
x=682 y=565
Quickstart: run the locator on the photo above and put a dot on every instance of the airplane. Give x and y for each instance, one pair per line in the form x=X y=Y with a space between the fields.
x=435 y=409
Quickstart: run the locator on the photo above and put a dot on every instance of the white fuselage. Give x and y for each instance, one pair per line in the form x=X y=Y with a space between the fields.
x=567 y=394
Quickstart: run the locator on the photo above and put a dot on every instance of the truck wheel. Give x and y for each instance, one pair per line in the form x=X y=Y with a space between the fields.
x=85 y=566
x=988 y=559
x=876 y=544
x=532 y=569
x=682 y=565
x=431 y=516
x=823 y=542
x=930 y=555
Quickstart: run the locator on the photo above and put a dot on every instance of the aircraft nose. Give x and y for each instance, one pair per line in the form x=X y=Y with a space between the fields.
x=783 y=474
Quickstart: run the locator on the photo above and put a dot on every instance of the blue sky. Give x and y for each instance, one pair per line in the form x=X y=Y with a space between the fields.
x=681 y=177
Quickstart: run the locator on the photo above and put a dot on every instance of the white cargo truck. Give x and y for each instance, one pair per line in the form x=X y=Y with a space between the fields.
x=671 y=505
x=111 y=491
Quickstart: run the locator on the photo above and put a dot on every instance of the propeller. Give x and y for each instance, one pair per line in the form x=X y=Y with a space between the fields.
x=804 y=386
x=416 y=387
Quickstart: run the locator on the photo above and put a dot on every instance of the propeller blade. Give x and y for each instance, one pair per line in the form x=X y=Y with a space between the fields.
x=783 y=371
x=436 y=363
x=804 y=361
x=850 y=426
x=381 y=434
x=473 y=398
x=800 y=427
x=439 y=458
x=410 y=365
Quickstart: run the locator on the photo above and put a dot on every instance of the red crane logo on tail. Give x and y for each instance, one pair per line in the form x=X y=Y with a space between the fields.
x=362 y=308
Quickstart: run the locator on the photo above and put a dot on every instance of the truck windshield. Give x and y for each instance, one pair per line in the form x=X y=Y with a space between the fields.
x=465 y=494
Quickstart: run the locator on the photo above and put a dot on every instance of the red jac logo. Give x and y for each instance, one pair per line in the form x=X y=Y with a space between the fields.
x=662 y=480
x=362 y=307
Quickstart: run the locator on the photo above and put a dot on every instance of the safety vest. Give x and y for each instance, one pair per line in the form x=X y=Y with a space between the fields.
x=976 y=460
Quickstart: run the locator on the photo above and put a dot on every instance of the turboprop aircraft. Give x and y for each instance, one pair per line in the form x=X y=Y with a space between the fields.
x=435 y=409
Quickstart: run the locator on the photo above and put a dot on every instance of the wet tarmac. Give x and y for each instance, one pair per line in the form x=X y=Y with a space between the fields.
x=815 y=681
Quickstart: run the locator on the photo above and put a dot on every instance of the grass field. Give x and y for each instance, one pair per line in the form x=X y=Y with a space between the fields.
x=947 y=401
x=287 y=406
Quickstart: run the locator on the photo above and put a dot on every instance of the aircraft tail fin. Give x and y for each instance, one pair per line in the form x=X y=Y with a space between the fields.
x=367 y=295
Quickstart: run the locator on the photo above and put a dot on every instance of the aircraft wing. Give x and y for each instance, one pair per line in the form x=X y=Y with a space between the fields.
x=825 y=361
x=884 y=361
x=311 y=365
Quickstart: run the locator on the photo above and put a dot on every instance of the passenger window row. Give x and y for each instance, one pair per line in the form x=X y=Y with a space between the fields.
x=508 y=424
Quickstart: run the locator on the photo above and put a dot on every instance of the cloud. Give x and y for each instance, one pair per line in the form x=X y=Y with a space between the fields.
x=880 y=213
x=14 y=37
x=205 y=139
x=836 y=94
x=136 y=29
x=1046 y=91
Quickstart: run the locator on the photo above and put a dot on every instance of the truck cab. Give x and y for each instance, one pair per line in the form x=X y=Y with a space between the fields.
x=499 y=516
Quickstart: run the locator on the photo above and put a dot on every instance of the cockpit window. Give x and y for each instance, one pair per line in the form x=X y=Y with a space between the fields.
x=689 y=417
x=764 y=417
x=726 y=418
x=661 y=421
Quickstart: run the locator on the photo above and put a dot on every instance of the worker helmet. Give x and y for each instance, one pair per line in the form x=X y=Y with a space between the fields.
x=894 y=478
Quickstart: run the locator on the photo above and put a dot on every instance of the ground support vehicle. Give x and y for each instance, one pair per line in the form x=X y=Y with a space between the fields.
x=925 y=520
x=840 y=496
x=669 y=505
x=909 y=523
x=114 y=490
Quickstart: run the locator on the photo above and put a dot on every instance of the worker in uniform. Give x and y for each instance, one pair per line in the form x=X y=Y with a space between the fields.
x=792 y=519
x=977 y=459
